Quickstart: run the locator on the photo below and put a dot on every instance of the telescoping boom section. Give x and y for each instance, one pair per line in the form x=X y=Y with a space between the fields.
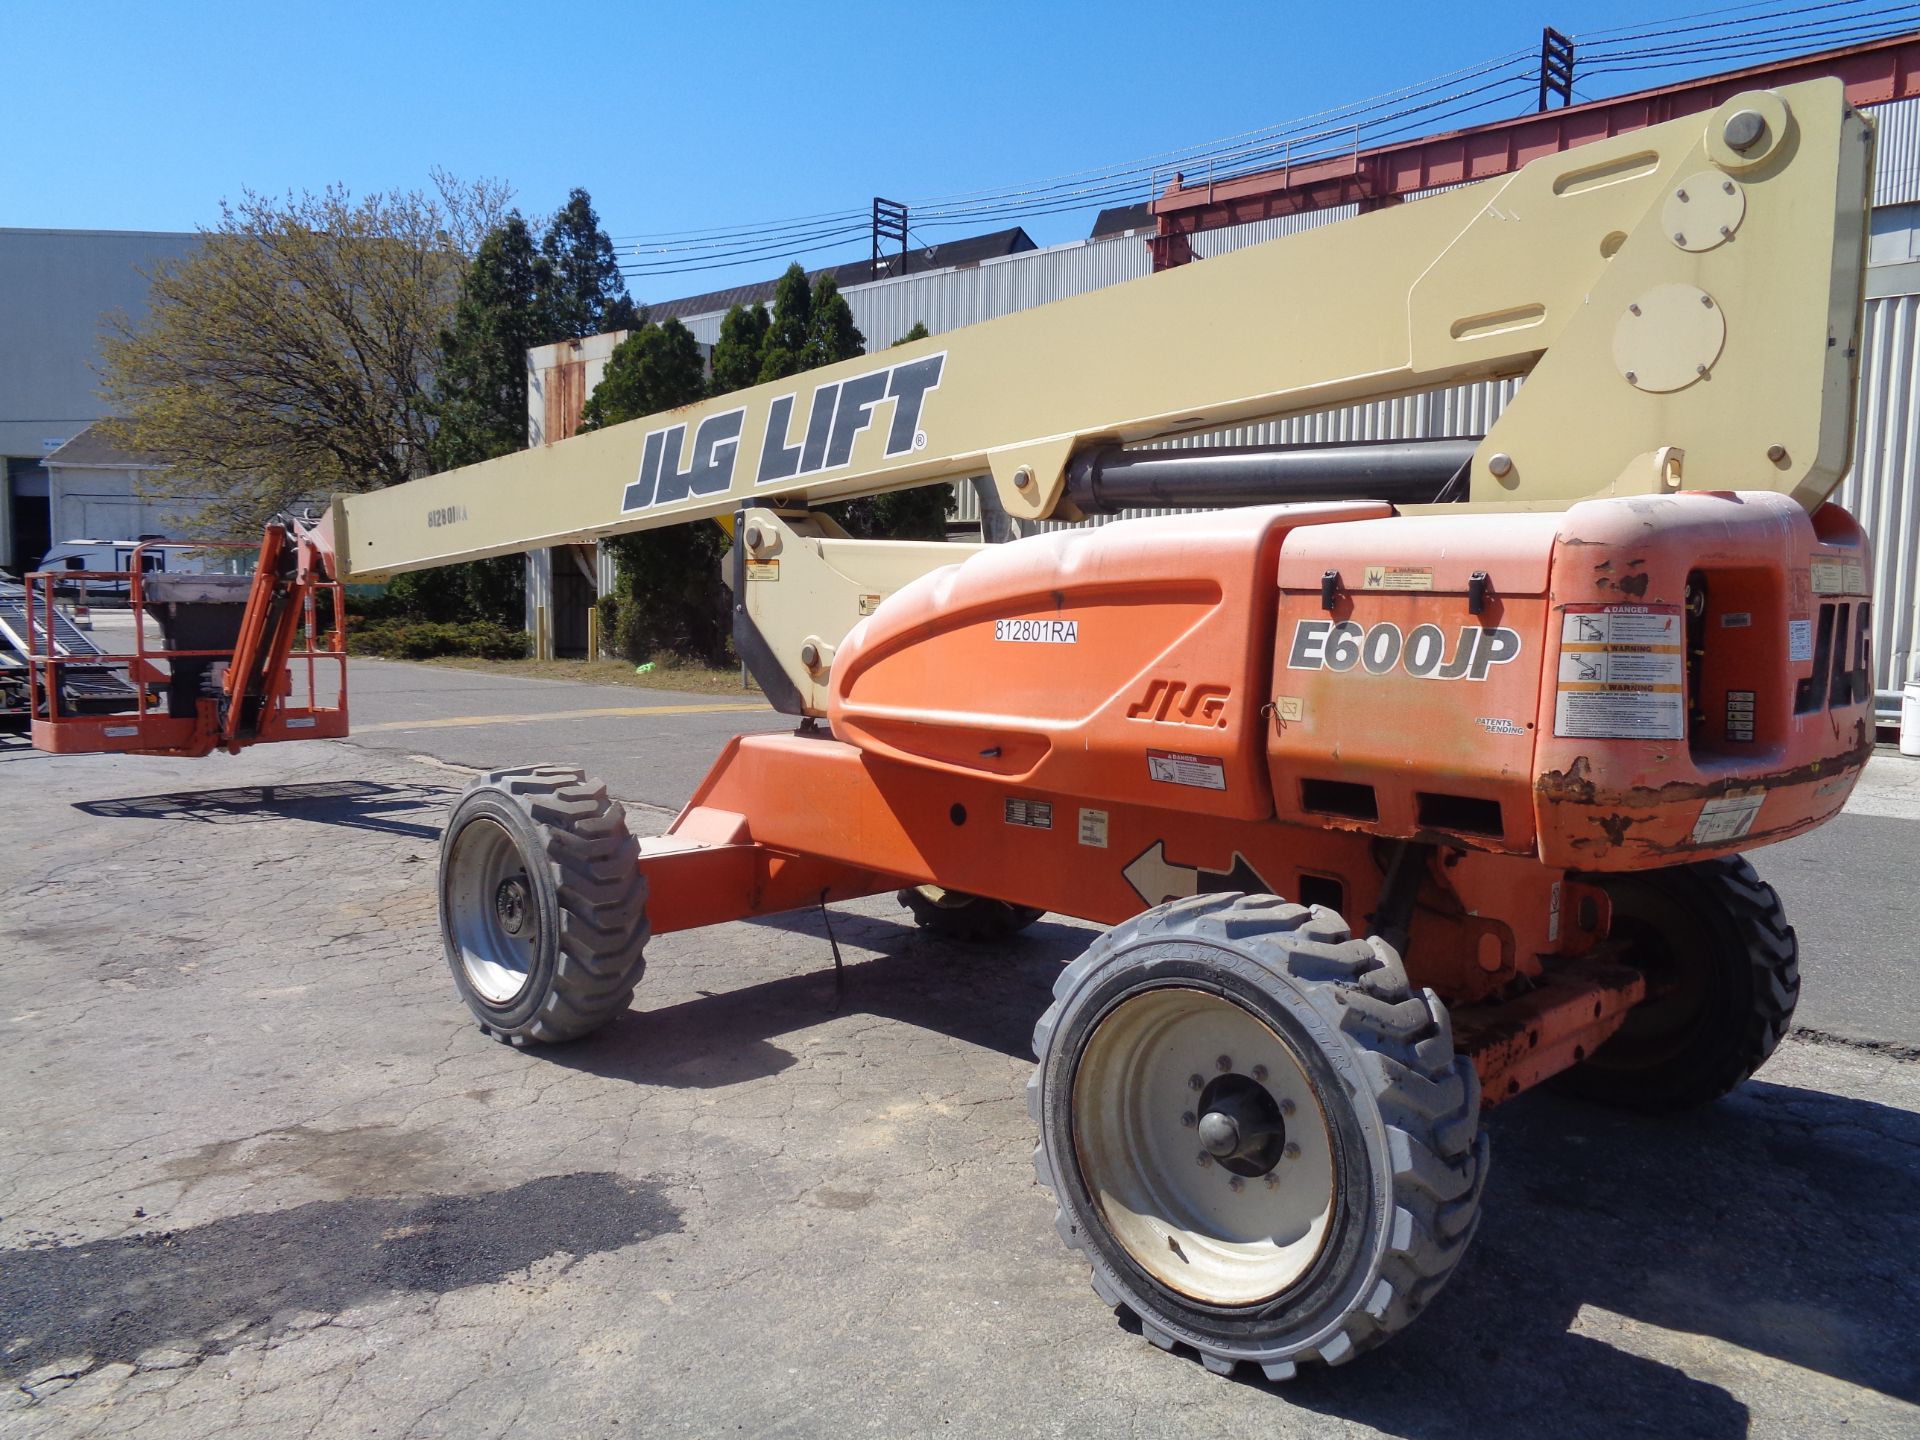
x=1400 y=798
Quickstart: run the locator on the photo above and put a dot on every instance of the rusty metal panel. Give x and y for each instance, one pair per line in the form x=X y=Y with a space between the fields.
x=565 y=399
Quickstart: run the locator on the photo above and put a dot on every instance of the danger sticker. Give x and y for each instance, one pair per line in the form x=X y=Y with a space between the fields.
x=1038 y=632
x=1397 y=577
x=1171 y=767
x=1033 y=814
x=763 y=569
x=1622 y=673
x=1829 y=577
x=1727 y=818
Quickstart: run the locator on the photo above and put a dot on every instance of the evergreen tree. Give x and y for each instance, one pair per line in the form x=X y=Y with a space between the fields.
x=586 y=293
x=790 y=328
x=480 y=411
x=831 y=333
x=743 y=341
x=480 y=385
x=657 y=367
x=670 y=595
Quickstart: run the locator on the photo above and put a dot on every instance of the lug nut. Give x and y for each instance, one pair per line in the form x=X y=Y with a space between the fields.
x=1236 y=1183
x=1287 y=1107
x=1260 y=1073
x=1188 y=1120
x=1194 y=1082
x=1224 y=1064
x=1292 y=1151
x=1273 y=1181
x=1203 y=1159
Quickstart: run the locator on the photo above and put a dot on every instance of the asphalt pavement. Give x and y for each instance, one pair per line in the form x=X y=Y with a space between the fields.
x=261 y=1175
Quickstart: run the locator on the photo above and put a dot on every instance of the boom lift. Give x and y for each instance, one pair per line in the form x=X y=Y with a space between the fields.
x=1512 y=706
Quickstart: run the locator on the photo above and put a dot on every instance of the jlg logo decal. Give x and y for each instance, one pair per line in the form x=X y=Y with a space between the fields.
x=835 y=417
x=1341 y=645
x=1177 y=703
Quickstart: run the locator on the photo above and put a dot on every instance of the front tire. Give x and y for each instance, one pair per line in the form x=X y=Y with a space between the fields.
x=542 y=904
x=1314 y=1189
x=1723 y=975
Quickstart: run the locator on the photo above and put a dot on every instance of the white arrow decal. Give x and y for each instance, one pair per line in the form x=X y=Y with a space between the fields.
x=1156 y=880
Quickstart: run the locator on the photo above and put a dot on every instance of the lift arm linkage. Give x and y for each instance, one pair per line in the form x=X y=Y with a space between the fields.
x=1689 y=290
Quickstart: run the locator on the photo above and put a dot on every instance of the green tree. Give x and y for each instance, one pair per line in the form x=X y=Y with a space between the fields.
x=831 y=333
x=292 y=352
x=657 y=367
x=586 y=292
x=480 y=385
x=670 y=597
x=738 y=354
x=480 y=409
x=790 y=328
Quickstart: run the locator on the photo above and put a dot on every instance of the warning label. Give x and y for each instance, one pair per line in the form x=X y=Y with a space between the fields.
x=1727 y=818
x=1397 y=577
x=1171 y=767
x=1622 y=673
x=1093 y=828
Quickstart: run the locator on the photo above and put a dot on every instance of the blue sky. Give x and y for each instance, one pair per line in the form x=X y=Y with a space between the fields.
x=687 y=115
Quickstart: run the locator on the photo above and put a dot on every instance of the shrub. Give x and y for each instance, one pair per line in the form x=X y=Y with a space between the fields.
x=402 y=639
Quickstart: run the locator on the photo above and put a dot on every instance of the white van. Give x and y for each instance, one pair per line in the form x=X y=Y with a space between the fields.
x=161 y=556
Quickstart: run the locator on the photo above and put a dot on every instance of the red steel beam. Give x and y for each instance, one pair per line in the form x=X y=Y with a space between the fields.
x=1874 y=74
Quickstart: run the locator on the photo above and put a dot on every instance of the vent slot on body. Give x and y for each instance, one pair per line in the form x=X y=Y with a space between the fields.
x=1339 y=797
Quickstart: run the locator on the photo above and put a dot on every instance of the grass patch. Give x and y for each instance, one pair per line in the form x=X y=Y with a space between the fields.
x=686 y=676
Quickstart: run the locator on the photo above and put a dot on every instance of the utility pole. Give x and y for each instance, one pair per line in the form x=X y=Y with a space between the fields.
x=889 y=224
x=1556 y=67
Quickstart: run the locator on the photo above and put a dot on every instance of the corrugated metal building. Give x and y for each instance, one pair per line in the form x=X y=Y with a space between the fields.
x=1883 y=490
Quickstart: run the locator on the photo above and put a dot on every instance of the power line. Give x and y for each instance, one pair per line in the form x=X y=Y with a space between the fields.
x=1698 y=40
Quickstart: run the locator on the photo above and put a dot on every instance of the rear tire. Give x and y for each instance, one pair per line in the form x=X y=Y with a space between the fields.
x=1354 y=1185
x=1723 y=974
x=542 y=904
x=959 y=916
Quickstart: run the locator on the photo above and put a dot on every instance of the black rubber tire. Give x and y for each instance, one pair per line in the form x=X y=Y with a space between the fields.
x=1723 y=969
x=959 y=916
x=589 y=901
x=1404 y=1109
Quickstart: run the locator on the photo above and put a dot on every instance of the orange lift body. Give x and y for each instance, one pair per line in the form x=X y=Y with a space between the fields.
x=1516 y=743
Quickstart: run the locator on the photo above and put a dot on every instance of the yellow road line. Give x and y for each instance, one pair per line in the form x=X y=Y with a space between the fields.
x=452 y=722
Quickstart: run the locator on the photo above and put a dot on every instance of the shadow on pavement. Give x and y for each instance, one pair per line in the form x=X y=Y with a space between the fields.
x=1778 y=1221
x=243 y=1276
x=985 y=995
x=352 y=804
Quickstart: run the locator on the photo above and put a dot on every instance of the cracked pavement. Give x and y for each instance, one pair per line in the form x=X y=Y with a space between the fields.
x=260 y=1174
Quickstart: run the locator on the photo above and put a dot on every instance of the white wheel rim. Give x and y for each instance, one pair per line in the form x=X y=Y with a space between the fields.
x=1137 y=1117
x=492 y=914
